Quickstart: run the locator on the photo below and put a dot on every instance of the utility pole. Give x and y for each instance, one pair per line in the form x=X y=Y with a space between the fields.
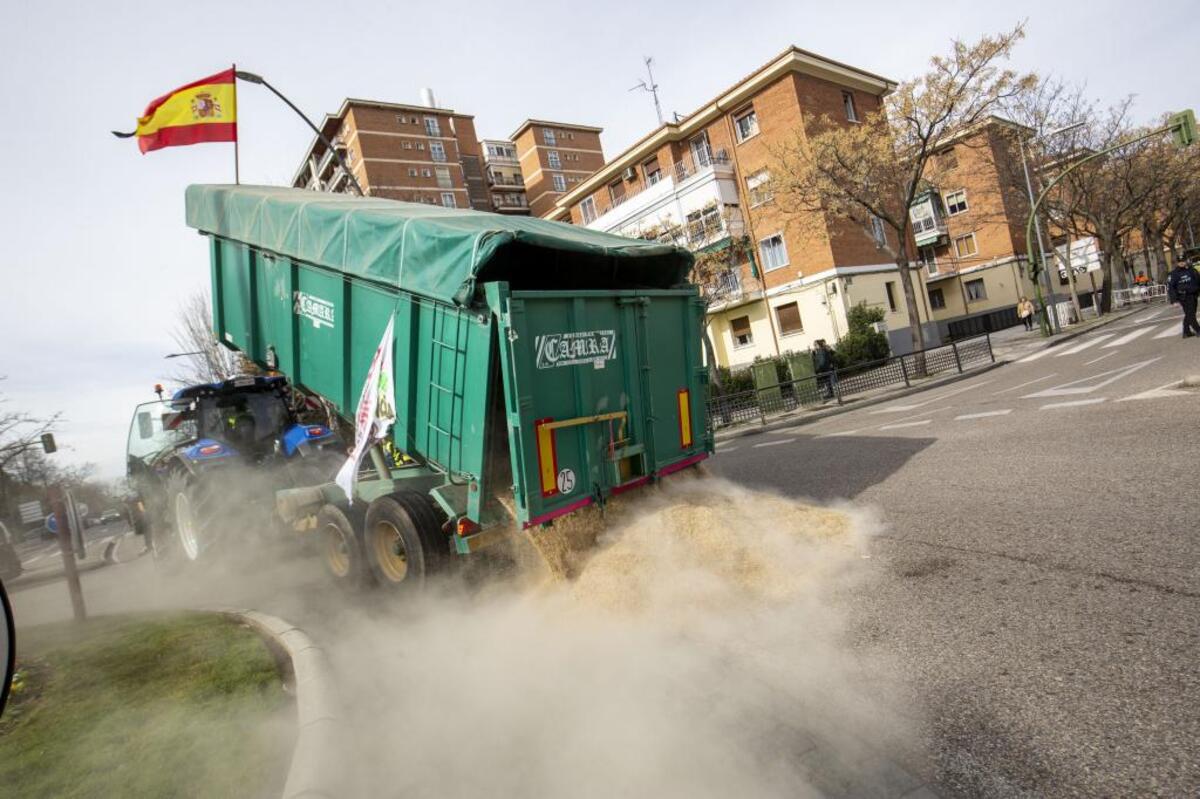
x=58 y=507
x=651 y=87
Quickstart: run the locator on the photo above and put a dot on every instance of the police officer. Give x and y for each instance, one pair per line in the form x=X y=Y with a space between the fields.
x=1183 y=286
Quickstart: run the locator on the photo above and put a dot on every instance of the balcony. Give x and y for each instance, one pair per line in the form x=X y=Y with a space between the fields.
x=506 y=182
x=928 y=222
x=682 y=206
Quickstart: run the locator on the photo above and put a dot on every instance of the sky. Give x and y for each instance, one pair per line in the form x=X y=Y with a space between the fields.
x=96 y=258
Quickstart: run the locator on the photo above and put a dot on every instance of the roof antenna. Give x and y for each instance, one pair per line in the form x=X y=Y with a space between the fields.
x=651 y=87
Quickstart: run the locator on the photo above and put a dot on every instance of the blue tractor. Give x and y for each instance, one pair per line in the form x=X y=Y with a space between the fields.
x=205 y=464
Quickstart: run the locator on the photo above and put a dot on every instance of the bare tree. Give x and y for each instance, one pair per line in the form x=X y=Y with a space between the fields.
x=871 y=173
x=203 y=358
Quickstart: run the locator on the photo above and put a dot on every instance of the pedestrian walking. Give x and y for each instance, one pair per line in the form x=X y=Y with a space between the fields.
x=1183 y=287
x=1025 y=312
x=823 y=365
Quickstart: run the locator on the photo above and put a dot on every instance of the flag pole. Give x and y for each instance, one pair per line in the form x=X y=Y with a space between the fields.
x=237 y=178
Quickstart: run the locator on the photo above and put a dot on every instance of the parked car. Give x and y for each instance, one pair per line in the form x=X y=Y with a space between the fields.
x=112 y=515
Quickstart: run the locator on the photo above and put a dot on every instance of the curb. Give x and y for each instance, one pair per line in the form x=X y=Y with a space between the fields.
x=318 y=717
x=784 y=422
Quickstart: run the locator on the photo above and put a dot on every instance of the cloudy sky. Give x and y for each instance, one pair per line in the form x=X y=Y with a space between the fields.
x=95 y=255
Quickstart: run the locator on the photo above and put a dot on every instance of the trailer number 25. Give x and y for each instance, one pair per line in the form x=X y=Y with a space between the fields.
x=566 y=481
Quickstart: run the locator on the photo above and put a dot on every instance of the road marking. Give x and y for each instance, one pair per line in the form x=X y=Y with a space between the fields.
x=1073 y=403
x=1128 y=337
x=983 y=414
x=938 y=398
x=1042 y=353
x=1081 y=347
x=1173 y=329
x=1162 y=392
x=727 y=449
x=905 y=424
x=1073 y=387
x=1027 y=383
x=841 y=433
x=774 y=443
x=1101 y=358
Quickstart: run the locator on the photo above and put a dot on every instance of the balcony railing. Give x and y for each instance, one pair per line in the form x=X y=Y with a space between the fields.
x=724 y=286
x=689 y=166
x=501 y=180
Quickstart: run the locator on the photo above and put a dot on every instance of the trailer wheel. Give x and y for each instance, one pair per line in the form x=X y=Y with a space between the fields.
x=404 y=542
x=342 y=547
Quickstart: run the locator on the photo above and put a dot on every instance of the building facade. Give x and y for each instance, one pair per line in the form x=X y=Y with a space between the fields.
x=502 y=171
x=969 y=228
x=774 y=282
x=555 y=157
x=415 y=153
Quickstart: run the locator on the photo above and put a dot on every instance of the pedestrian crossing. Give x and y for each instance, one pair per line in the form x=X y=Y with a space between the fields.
x=1105 y=341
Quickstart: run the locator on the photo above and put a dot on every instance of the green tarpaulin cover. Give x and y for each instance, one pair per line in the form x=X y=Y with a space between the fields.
x=442 y=253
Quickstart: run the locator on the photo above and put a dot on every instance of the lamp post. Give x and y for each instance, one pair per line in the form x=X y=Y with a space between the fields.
x=1045 y=326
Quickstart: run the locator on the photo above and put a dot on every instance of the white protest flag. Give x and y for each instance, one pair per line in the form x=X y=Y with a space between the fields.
x=376 y=411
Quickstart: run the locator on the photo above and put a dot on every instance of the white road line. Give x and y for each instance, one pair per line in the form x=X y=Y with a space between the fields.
x=1101 y=358
x=774 y=443
x=721 y=450
x=931 y=400
x=1173 y=329
x=1073 y=403
x=1042 y=353
x=1081 y=347
x=1027 y=383
x=1162 y=392
x=983 y=414
x=1128 y=337
x=1074 y=386
x=905 y=424
x=841 y=433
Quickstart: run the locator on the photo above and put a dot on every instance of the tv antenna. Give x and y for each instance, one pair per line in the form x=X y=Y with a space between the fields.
x=651 y=87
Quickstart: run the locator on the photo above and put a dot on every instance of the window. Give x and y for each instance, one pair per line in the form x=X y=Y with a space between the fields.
x=877 y=232
x=437 y=151
x=789 y=319
x=407 y=145
x=403 y=120
x=420 y=145
x=616 y=192
x=975 y=290
x=560 y=183
x=412 y=171
x=548 y=137
x=774 y=252
x=443 y=177
x=890 y=288
x=448 y=199
x=848 y=104
x=956 y=202
x=758 y=186
x=740 y=328
x=652 y=171
x=588 y=209
x=553 y=159
x=425 y=173
x=703 y=223
x=948 y=160
x=431 y=127
x=964 y=246
x=936 y=299
x=746 y=125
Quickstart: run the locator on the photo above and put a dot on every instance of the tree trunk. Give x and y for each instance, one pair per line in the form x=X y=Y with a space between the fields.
x=910 y=302
x=1106 y=286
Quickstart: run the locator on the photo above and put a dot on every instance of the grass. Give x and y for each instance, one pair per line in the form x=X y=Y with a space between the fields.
x=162 y=706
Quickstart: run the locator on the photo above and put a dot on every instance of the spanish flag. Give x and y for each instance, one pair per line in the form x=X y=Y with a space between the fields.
x=202 y=111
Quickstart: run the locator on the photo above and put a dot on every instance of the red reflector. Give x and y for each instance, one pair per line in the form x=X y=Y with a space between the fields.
x=466 y=527
x=211 y=449
x=316 y=431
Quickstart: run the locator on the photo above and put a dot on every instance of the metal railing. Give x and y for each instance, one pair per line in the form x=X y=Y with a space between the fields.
x=691 y=164
x=836 y=386
x=1123 y=298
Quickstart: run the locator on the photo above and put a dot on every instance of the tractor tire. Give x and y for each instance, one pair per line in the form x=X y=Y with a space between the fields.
x=404 y=542
x=342 y=548
x=190 y=508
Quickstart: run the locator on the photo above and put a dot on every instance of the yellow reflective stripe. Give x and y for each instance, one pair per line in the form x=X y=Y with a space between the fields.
x=545 y=443
x=199 y=105
x=685 y=418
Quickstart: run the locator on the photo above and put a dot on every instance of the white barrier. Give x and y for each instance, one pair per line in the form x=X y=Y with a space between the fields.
x=1123 y=298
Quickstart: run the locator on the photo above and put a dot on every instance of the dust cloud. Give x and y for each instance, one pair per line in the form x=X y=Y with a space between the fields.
x=685 y=644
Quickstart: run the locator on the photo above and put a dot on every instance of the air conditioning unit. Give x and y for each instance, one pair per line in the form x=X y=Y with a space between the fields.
x=630 y=173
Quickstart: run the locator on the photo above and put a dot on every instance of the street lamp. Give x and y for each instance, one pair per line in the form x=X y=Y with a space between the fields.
x=1038 y=225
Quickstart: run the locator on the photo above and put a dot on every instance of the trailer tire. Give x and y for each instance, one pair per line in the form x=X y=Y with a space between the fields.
x=404 y=542
x=342 y=547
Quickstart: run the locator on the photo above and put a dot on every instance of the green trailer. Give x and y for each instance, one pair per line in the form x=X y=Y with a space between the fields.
x=539 y=367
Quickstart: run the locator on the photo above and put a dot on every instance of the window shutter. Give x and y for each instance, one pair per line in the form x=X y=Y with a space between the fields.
x=789 y=318
x=740 y=326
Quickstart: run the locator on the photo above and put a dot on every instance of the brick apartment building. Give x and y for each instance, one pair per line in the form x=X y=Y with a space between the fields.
x=705 y=181
x=504 y=179
x=554 y=158
x=416 y=153
x=969 y=228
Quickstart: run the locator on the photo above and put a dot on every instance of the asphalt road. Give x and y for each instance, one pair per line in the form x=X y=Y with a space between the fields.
x=1037 y=578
